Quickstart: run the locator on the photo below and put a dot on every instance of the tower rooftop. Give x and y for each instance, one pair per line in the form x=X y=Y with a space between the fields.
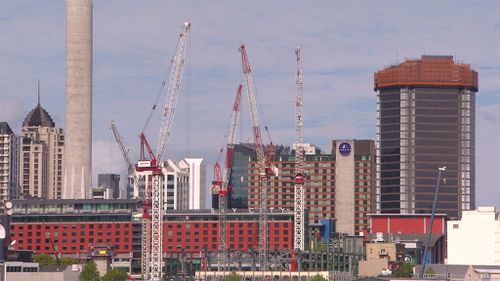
x=432 y=71
x=38 y=117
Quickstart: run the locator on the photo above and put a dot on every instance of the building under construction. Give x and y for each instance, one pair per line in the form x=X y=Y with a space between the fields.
x=425 y=120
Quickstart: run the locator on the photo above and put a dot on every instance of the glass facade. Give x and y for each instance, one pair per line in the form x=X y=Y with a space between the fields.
x=243 y=154
x=418 y=130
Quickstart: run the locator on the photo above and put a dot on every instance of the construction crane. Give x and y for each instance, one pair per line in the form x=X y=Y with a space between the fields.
x=426 y=249
x=263 y=161
x=152 y=231
x=130 y=167
x=299 y=160
x=56 y=254
x=225 y=182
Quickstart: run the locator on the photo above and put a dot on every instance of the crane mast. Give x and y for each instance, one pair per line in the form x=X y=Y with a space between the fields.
x=152 y=231
x=299 y=159
x=225 y=185
x=263 y=158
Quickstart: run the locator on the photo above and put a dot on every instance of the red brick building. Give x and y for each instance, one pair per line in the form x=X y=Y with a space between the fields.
x=74 y=225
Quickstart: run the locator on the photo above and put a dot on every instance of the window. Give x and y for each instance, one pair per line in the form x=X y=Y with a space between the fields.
x=455 y=225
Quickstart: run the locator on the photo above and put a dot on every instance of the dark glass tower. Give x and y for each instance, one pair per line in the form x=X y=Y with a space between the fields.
x=426 y=120
x=243 y=154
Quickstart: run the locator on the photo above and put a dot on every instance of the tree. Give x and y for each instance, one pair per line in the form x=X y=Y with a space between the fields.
x=115 y=274
x=44 y=259
x=232 y=277
x=318 y=278
x=429 y=271
x=68 y=261
x=89 y=272
x=403 y=270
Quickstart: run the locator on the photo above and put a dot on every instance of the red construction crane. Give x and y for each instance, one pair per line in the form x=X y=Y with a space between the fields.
x=222 y=184
x=263 y=160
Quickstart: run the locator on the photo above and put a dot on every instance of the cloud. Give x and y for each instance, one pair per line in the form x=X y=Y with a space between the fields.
x=342 y=43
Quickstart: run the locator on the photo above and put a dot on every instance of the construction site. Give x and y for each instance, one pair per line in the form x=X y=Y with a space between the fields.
x=298 y=259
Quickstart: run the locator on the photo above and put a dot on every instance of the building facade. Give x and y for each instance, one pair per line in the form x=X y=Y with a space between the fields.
x=354 y=184
x=238 y=197
x=9 y=157
x=75 y=225
x=319 y=188
x=176 y=191
x=338 y=186
x=475 y=239
x=197 y=183
x=110 y=182
x=426 y=120
x=41 y=156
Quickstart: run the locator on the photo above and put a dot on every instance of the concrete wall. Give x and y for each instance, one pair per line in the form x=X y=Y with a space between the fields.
x=475 y=239
x=197 y=183
x=372 y=267
x=78 y=143
x=344 y=191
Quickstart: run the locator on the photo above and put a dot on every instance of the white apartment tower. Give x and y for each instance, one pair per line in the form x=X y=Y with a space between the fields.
x=41 y=156
x=8 y=162
x=78 y=156
x=183 y=183
x=197 y=180
x=175 y=184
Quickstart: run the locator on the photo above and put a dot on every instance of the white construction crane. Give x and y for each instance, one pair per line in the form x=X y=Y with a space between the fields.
x=263 y=161
x=152 y=235
x=299 y=160
x=130 y=167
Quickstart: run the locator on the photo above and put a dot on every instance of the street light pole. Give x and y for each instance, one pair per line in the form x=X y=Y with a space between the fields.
x=426 y=249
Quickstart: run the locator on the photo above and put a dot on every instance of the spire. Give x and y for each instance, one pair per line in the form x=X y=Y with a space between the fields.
x=38 y=92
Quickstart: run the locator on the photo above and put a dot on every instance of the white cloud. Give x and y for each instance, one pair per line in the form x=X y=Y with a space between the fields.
x=343 y=43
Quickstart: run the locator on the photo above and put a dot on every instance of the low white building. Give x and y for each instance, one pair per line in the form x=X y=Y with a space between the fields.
x=475 y=239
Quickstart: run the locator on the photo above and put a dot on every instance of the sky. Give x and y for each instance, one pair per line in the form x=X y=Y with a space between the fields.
x=342 y=44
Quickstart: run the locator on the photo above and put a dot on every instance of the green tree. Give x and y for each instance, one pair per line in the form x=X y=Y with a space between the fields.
x=403 y=270
x=68 y=261
x=232 y=277
x=318 y=278
x=429 y=271
x=115 y=275
x=89 y=272
x=44 y=259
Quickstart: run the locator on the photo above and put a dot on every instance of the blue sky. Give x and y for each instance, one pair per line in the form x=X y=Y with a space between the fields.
x=343 y=43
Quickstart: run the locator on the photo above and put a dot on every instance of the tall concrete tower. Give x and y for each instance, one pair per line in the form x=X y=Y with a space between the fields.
x=78 y=151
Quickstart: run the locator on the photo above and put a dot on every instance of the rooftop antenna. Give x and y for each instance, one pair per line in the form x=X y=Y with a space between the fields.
x=38 y=91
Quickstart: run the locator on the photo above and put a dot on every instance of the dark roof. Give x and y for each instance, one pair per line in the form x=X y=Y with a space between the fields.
x=38 y=117
x=31 y=201
x=372 y=279
x=5 y=129
x=52 y=268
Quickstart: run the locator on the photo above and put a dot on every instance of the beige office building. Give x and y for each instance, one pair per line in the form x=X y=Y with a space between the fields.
x=41 y=156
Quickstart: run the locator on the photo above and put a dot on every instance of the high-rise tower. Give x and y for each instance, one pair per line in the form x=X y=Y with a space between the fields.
x=78 y=151
x=41 y=156
x=426 y=120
